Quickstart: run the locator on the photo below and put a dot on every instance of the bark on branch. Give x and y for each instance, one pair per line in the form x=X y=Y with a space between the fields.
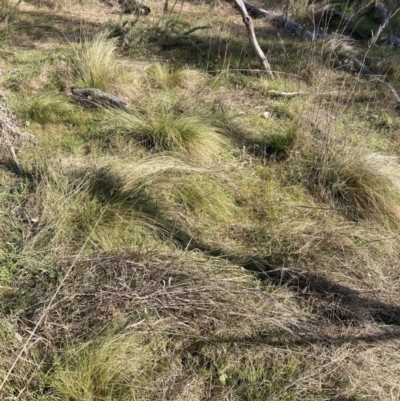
x=390 y=39
x=98 y=98
x=280 y=20
x=252 y=36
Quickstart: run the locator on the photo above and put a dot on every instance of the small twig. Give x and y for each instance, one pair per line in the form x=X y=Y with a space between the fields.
x=390 y=87
x=287 y=94
x=196 y=29
x=318 y=208
x=382 y=239
x=291 y=94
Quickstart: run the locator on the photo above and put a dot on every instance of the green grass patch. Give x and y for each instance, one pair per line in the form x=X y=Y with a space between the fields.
x=171 y=127
x=164 y=77
x=48 y=108
x=94 y=62
x=362 y=185
x=112 y=367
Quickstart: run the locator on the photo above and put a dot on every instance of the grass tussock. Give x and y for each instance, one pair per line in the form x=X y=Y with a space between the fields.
x=361 y=185
x=47 y=108
x=60 y=4
x=165 y=127
x=112 y=367
x=94 y=62
x=80 y=204
x=165 y=77
x=204 y=196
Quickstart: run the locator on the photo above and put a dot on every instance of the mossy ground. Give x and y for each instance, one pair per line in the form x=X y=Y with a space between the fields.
x=218 y=242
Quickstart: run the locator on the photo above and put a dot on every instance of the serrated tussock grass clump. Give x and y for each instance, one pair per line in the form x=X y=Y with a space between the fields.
x=161 y=127
x=203 y=196
x=116 y=367
x=164 y=77
x=362 y=185
x=46 y=108
x=94 y=62
x=110 y=206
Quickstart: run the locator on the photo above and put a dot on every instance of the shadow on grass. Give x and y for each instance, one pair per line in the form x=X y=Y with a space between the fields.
x=41 y=26
x=110 y=190
x=335 y=302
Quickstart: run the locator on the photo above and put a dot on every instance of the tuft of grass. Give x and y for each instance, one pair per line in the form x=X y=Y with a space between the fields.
x=94 y=62
x=278 y=144
x=164 y=77
x=362 y=185
x=203 y=196
x=114 y=204
x=46 y=108
x=7 y=13
x=115 y=367
x=169 y=128
x=297 y=8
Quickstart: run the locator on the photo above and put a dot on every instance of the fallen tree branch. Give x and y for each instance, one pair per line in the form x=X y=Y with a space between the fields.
x=360 y=66
x=387 y=37
x=292 y=94
x=363 y=70
x=392 y=40
x=197 y=28
x=281 y=20
x=99 y=98
x=343 y=18
x=385 y=19
x=390 y=87
x=252 y=36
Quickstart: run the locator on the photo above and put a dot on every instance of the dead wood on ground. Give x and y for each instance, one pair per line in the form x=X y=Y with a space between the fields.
x=97 y=98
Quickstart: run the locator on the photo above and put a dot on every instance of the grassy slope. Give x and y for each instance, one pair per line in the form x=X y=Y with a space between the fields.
x=216 y=243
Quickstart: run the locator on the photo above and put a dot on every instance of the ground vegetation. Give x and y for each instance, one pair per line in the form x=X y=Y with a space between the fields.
x=224 y=235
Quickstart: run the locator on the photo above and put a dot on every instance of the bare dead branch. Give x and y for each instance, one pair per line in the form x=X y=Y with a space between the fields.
x=96 y=97
x=292 y=94
x=252 y=36
x=282 y=21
